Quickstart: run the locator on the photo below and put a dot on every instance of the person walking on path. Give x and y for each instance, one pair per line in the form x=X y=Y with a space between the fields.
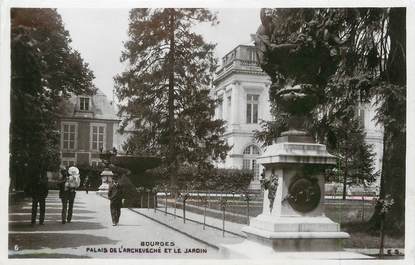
x=39 y=192
x=116 y=196
x=70 y=182
x=86 y=184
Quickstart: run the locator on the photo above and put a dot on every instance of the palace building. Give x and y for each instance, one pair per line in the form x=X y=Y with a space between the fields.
x=242 y=89
x=87 y=125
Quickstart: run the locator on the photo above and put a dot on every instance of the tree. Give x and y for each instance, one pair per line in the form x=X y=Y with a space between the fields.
x=369 y=46
x=392 y=114
x=44 y=70
x=354 y=156
x=164 y=92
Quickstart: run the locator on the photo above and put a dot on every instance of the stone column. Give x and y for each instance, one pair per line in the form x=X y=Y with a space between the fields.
x=236 y=108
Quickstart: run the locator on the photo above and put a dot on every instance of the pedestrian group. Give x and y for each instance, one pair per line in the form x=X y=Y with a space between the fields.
x=70 y=181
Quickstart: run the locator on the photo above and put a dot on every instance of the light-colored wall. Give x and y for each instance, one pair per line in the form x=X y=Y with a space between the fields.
x=374 y=136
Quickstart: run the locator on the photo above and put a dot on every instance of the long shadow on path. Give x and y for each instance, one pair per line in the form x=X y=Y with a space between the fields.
x=55 y=240
x=54 y=226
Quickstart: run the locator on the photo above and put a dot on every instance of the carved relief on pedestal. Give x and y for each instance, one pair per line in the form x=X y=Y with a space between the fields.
x=304 y=194
x=271 y=185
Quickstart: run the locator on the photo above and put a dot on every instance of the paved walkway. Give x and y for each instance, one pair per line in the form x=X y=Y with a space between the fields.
x=91 y=234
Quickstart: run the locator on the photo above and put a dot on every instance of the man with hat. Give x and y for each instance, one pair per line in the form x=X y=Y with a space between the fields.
x=69 y=184
x=39 y=192
x=116 y=196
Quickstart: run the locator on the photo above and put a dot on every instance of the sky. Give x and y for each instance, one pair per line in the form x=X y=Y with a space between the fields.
x=98 y=34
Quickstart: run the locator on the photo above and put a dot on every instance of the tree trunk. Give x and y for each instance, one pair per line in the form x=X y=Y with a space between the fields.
x=344 y=186
x=394 y=156
x=345 y=171
x=171 y=152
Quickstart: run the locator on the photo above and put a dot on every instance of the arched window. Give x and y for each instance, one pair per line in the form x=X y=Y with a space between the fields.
x=249 y=162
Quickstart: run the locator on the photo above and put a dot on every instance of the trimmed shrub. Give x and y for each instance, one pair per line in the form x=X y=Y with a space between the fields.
x=193 y=178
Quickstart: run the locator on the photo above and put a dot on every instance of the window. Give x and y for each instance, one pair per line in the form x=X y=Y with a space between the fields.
x=68 y=163
x=97 y=136
x=251 y=150
x=83 y=103
x=252 y=108
x=68 y=136
x=255 y=168
x=249 y=160
x=95 y=163
x=246 y=164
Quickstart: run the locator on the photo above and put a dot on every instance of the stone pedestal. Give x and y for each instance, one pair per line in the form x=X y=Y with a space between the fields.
x=293 y=219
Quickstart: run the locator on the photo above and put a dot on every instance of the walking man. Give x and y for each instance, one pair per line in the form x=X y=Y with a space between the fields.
x=69 y=184
x=115 y=194
x=86 y=184
x=39 y=192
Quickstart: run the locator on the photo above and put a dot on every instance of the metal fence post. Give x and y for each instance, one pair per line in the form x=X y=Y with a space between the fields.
x=148 y=199
x=247 y=198
x=204 y=202
x=165 y=202
x=155 y=199
x=363 y=208
x=184 y=210
x=223 y=205
x=204 y=218
x=186 y=195
x=175 y=204
x=140 y=191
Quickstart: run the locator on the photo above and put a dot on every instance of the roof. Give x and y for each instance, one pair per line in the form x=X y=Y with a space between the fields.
x=100 y=107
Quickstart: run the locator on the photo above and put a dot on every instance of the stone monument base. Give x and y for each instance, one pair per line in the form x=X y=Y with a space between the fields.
x=296 y=233
x=103 y=189
x=293 y=224
x=270 y=237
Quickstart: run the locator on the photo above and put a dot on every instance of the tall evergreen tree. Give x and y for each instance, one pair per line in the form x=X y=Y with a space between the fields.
x=44 y=70
x=355 y=158
x=164 y=92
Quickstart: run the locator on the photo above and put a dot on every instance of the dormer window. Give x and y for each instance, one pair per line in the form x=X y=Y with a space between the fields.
x=84 y=103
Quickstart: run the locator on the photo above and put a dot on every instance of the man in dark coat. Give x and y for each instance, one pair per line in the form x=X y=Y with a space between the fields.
x=116 y=196
x=39 y=192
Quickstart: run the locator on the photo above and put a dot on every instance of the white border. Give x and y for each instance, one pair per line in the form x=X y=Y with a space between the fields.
x=5 y=105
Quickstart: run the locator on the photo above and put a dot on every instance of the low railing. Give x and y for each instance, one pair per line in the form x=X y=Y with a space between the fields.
x=232 y=205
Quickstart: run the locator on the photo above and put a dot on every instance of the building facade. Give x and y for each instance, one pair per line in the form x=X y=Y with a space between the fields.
x=243 y=92
x=88 y=124
x=242 y=89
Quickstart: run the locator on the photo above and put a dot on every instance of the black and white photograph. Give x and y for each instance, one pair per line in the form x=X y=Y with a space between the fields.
x=207 y=133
